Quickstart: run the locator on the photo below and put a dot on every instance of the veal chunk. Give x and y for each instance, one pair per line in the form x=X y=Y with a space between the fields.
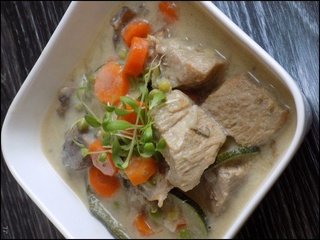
x=193 y=139
x=187 y=65
x=219 y=184
x=71 y=154
x=246 y=111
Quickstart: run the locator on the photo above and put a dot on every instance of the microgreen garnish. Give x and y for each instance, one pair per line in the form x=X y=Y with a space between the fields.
x=92 y=120
x=121 y=137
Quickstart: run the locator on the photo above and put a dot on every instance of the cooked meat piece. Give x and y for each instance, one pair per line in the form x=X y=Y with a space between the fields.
x=176 y=107
x=63 y=107
x=187 y=65
x=193 y=139
x=71 y=154
x=64 y=95
x=122 y=17
x=120 y=20
x=159 y=189
x=135 y=198
x=66 y=91
x=155 y=189
x=246 y=111
x=220 y=183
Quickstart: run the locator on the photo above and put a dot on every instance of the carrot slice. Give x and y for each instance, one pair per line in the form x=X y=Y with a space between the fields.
x=169 y=10
x=107 y=167
x=136 y=28
x=140 y=169
x=136 y=57
x=140 y=222
x=104 y=185
x=111 y=83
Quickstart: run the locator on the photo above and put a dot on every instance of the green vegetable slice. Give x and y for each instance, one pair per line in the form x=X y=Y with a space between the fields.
x=231 y=154
x=103 y=215
x=196 y=220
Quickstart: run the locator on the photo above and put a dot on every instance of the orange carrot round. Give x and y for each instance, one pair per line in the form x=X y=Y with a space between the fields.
x=136 y=57
x=140 y=169
x=104 y=185
x=169 y=10
x=111 y=83
x=107 y=167
x=141 y=224
x=136 y=28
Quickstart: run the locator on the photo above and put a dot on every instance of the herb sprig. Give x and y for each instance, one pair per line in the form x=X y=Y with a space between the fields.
x=123 y=137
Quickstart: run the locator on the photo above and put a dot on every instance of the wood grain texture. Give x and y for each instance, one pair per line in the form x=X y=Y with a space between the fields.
x=288 y=31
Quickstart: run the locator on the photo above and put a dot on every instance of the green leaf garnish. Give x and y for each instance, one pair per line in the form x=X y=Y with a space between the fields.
x=147 y=134
x=161 y=145
x=148 y=149
x=110 y=108
x=116 y=149
x=157 y=99
x=131 y=102
x=92 y=121
x=121 y=111
x=118 y=125
x=120 y=137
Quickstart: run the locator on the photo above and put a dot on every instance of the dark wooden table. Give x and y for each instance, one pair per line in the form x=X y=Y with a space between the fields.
x=288 y=31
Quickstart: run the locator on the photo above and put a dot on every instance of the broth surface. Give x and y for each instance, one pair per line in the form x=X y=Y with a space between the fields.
x=210 y=35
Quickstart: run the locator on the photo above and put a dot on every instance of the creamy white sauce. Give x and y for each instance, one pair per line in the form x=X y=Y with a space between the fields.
x=197 y=27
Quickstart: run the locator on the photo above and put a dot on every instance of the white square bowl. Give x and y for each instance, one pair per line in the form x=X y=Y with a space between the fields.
x=48 y=190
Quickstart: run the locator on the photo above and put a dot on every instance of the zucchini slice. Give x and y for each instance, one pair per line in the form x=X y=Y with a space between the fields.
x=231 y=154
x=196 y=220
x=104 y=216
